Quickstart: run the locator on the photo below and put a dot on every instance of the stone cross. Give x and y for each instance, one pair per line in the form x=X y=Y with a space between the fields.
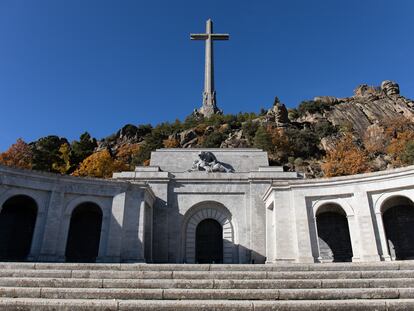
x=209 y=95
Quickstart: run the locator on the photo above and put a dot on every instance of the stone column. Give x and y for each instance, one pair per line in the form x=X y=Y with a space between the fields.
x=385 y=254
x=51 y=242
x=285 y=226
x=355 y=237
x=368 y=246
x=133 y=227
x=257 y=238
x=161 y=222
x=306 y=232
x=114 y=245
x=270 y=233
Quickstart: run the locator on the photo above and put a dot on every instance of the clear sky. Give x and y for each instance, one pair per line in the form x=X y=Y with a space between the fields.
x=72 y=66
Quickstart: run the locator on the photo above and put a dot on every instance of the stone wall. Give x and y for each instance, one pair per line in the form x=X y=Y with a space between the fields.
x=122 y=205
x=292 y=208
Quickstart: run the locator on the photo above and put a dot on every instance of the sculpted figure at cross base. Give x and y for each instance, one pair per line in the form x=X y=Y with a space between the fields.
x=208 y=162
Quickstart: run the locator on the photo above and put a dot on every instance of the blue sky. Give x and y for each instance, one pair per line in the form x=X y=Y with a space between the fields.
x=72 y=66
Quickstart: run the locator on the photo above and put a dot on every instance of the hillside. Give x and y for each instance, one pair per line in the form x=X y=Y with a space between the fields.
x=327 y=136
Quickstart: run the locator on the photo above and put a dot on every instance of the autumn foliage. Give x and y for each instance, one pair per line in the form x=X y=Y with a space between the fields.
x=100 y=164
x=18 y=155
x=346 y=159
x=126 y=152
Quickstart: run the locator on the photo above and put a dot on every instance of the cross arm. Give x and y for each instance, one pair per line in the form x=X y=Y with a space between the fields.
x=199 y=36
x=220 y=36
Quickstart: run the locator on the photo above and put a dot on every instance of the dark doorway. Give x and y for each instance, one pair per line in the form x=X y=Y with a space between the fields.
x=209 y=242
x=333 y=234
x=17 y=223
x=84 y=233
x=399 y=228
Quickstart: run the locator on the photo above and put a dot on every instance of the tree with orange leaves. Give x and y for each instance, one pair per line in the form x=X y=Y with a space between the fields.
x=397 y=147
x=18 y=155
x=100 y=164
x=345 y=159
x=126 y=152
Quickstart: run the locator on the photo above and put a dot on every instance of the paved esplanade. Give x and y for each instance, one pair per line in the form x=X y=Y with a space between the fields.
x=209 y=95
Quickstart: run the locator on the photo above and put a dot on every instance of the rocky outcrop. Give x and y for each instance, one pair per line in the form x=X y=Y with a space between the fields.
x=235 y=140
x=278 y=114
x=369 y=105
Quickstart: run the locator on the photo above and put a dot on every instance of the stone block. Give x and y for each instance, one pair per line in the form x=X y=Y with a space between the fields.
x=355 y=305
x=101 y=293
x=33 y=304
x=400 y=305
x=266 y=284
x=219 y=294
x=338 y=294
x=51 y=282
x=122 y=274
x=194 y=305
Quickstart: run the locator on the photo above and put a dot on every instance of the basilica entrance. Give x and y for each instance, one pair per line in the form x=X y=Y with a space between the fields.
x=209 y=242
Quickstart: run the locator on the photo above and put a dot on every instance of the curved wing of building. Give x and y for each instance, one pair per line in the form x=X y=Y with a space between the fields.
x=206 y=206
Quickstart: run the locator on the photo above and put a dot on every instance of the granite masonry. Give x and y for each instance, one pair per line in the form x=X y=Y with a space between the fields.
x=206 y=206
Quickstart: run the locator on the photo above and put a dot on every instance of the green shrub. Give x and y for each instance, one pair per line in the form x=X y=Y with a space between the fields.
x=262 y=139
x=408 y=155
x=312 y=107
x=303 y=143
x=324 y=128
x=213 y=140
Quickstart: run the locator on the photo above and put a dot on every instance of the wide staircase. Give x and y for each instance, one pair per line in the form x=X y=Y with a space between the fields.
x=336 y=286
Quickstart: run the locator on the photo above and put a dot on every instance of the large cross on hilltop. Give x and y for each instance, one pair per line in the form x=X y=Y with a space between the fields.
x=209 y=95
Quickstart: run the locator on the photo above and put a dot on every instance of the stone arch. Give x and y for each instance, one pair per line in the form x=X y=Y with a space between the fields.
x=334 y=239
x=18 y=217
x=343 y=205
x=208 y=210
x=84 y=234
x=105 y=207
x=398 y=220
x=41 y=199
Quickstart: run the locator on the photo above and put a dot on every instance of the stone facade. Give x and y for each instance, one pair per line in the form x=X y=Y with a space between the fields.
x=265 y=214
x=124 y=207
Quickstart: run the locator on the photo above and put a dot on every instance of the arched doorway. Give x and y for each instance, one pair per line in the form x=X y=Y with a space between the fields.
x=17 y=223
x=84 y=233
x=398 y=218
x=209 y=242
x=214 y=211
x=333 y=234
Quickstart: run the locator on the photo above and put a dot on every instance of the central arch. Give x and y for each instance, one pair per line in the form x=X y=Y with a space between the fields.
x=209 y=242
x=212 y=211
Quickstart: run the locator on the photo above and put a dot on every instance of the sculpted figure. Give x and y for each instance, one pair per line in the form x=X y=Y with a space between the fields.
x=207 y=161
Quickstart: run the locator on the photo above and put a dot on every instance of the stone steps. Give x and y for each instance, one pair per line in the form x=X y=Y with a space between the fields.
x=204 y=284
x=394 y=265
x=207 y=294
x=35 y=304
x=202 y=275
x=342 y=286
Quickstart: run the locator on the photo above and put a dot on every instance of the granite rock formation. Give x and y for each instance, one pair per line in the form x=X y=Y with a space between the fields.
x=368 y=106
